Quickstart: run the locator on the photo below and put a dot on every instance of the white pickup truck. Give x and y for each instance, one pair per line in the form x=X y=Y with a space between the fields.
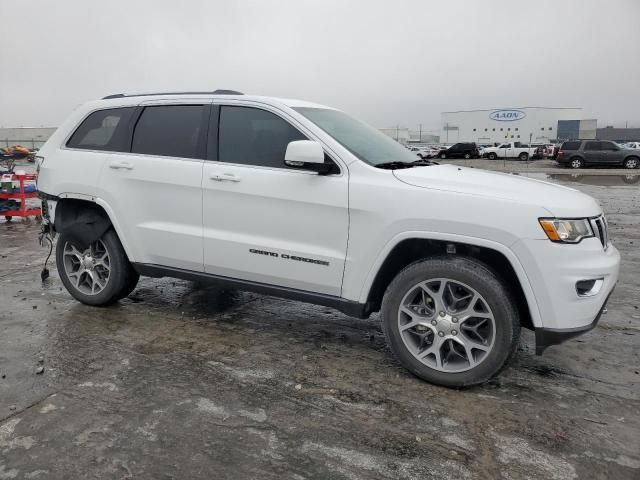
x=518 y=150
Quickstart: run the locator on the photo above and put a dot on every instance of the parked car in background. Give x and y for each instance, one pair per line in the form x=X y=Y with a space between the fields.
x=582 y=153
x=510 y=150
x=460 y=150
x=633 y=145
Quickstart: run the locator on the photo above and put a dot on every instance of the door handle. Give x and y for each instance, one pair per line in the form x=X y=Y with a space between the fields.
x=222 y=177
x=118 y=165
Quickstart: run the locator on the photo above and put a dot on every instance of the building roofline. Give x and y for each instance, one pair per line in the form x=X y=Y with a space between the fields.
x=512 y=108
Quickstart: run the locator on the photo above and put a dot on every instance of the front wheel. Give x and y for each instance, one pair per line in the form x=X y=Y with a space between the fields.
x=450 y=321
x=96 y=275
x=492 y=156
x=631 y=162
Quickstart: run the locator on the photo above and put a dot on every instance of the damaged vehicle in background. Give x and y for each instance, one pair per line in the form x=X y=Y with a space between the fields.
x=301 y=201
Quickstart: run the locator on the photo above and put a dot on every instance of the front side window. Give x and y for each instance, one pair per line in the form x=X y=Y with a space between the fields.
x=608 y=146
x=251 y=136
x=103 y=130
x=169 y=130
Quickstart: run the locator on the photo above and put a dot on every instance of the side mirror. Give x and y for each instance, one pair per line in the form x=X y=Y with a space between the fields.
x=306 y=155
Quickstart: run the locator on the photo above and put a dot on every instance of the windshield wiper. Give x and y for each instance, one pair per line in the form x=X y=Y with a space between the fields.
x=397 y=164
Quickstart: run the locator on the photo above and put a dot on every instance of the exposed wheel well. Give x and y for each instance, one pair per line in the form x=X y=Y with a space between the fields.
x=411 y=250
x=85 y=221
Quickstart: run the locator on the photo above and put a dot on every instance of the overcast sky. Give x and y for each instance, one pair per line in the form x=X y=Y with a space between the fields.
x=388 y=62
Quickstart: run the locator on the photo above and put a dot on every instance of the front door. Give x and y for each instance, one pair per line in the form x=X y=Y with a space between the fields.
x=263 y=221
x=610 y=153
x=155 y=191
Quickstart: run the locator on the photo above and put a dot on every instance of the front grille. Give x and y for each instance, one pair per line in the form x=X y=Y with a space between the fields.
x=601 y=230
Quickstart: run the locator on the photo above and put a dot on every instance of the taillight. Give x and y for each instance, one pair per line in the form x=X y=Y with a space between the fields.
x=560 y=152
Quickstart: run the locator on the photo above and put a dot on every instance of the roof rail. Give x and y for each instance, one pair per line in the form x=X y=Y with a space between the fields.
x=215 y=92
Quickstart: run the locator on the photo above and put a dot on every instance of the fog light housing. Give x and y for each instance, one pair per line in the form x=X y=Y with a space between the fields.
x=589 y=288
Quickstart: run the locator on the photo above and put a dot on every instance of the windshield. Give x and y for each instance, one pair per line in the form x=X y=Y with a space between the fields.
x=365 y=142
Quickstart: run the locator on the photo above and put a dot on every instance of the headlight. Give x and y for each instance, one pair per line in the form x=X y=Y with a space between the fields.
x=566 y=230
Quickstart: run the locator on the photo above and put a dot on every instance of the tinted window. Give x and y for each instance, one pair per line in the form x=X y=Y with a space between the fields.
x=570 y=146
x=592 y=146
x=607 y=146
x=254 y=137
x=171 y=130
x=103 y=130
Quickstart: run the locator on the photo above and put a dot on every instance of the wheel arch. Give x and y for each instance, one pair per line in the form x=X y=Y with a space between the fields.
x=90 y=216
x=410 y=248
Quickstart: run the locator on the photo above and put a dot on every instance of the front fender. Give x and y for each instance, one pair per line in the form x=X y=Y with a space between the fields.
x=453 y=238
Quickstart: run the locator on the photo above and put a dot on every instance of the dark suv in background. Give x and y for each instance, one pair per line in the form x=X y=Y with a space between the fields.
x=461 y=150
x=581 y=153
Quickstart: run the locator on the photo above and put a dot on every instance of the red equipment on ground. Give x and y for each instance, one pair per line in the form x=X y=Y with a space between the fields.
x=27 y=182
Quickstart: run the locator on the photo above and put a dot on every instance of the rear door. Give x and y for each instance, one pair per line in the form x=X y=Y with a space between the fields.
x=592 y=152
x=155 y=189
x=264 y=221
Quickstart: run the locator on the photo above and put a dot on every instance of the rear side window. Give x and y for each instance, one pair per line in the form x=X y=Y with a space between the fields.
x=169 y=130
x=571 y=146
x=252 y=136
x=590 y=146
x=103 y=130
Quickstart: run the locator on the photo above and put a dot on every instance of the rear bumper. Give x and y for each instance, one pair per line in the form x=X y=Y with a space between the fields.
x=545 y=337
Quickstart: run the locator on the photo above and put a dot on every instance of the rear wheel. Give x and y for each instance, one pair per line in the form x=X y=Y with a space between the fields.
x=450 y=321
x=467 y=156
x=524 y=156
x=96 y=275
x=576 y=162
x=631 y=162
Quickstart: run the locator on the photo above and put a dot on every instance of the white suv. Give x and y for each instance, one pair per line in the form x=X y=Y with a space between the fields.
x=298 y=200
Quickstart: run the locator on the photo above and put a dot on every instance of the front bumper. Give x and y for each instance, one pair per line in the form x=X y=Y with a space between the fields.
x=545 y=337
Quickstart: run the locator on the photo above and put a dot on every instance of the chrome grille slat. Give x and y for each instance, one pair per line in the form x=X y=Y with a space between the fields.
x=601 y=230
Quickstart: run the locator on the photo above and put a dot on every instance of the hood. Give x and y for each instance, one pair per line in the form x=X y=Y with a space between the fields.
x=559 y=200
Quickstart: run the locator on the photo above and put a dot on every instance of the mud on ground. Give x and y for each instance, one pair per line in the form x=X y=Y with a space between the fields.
x=188 y=381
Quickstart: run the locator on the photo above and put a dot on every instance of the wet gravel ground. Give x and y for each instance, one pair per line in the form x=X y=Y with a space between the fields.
x=188 y=381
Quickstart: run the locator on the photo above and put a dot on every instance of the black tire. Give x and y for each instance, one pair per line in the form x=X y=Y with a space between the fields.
x=130 y=284
x=576 y=162
x=467 y=156
x=631 y=162
x=481 y=278
x=524 y=156
x=442 y=156
x=492 y=156
x=118 y=277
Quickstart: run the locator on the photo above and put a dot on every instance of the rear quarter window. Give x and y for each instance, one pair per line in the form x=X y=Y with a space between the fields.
x=571 y=146
x=105 y=130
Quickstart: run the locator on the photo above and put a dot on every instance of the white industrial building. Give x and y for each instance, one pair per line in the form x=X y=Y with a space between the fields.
x=518 y=124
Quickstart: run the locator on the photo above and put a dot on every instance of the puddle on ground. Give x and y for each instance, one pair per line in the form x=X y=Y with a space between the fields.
x=601 y=180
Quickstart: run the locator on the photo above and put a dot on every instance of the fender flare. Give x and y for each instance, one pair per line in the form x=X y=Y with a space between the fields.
x=454 y=238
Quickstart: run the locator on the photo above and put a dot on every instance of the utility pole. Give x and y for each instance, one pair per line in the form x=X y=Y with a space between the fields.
x=420 y=137
x=446 y=127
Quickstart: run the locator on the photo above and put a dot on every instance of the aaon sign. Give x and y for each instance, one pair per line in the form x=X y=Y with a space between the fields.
x=507 y=115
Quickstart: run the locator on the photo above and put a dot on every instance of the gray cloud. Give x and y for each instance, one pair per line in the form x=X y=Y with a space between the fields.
x=388 y=62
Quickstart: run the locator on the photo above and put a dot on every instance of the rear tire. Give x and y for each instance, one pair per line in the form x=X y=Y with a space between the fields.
x=631 y=162
x=524 y=156
x=442 y=156
x=98 y=275
x=467 y=156
x=576 y=162
x=455 y=322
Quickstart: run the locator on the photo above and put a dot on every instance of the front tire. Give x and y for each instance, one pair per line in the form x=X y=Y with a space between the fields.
x=450 y=321
x=97 y=275
x=631 y=163
x=492 y=156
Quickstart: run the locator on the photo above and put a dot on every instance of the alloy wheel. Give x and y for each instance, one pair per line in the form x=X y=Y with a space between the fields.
x=446 y=325
x=89 y=270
